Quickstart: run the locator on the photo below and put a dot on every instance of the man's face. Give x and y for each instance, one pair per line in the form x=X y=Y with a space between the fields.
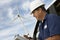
x=37 y=14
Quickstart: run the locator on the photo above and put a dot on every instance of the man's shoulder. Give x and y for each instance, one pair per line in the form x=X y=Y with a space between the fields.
x=53 y=16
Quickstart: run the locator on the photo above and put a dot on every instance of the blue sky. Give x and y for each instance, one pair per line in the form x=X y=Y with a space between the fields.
x=8 y=12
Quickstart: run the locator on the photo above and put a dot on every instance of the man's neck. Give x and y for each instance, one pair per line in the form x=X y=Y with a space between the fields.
x=43 y=17
x=44 y=14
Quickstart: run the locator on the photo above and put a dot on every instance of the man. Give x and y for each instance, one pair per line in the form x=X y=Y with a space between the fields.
x=50 y=26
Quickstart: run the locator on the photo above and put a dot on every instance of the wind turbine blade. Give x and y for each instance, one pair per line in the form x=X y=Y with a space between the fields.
x=24 y=26
x=9 y=23
x=18 y=10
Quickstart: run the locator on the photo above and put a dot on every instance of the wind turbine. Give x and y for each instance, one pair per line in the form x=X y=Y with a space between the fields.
x=18 y=16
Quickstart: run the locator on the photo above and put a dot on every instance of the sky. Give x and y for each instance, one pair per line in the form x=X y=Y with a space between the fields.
x=10 y=24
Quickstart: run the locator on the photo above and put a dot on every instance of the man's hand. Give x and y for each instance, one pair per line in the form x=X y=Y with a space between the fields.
x=26 y=36
x=55 y=37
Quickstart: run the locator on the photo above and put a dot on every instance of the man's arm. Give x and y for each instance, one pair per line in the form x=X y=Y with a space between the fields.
x=55 y=37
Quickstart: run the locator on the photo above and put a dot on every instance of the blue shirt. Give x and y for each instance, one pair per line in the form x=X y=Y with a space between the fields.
x=50 y=26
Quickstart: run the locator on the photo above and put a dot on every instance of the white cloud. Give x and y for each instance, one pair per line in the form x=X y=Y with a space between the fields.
x=10 y=31
x=7 y=38
x=25 y=5
x=4 y=1
x=10 y=13
x=1 y=18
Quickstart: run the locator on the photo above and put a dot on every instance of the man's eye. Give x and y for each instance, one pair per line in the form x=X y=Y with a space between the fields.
x=33 y=12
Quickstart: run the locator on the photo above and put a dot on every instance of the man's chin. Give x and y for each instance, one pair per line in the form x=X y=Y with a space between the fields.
x=39 y=19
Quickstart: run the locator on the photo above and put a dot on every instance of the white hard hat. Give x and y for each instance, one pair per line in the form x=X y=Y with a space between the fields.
x=35 y=4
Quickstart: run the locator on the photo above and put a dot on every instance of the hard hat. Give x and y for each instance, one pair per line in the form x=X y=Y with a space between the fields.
x=35 y=4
